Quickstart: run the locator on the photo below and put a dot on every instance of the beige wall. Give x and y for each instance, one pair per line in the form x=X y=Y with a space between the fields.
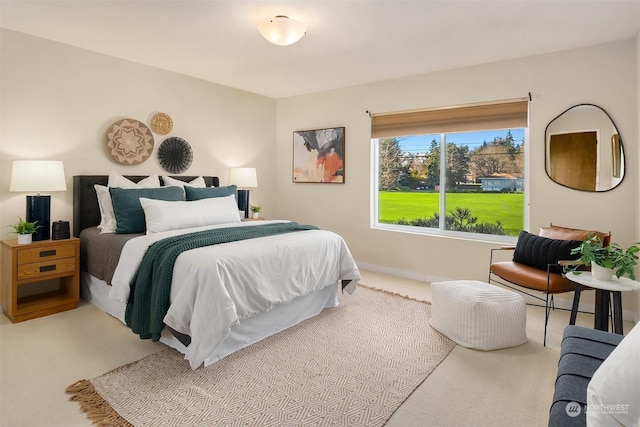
x=604 y=75
x=58 y=101
x=637 y=122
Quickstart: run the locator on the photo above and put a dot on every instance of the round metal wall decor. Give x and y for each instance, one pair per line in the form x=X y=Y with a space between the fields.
x=175 y=155
x=161 y=123
x=129 y=141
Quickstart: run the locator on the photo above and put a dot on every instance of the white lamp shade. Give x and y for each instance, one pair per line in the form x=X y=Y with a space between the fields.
x=243 y=177
x=37 y=176
x=282 y=30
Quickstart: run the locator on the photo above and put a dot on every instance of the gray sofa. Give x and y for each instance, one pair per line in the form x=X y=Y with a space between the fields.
x=582 y=352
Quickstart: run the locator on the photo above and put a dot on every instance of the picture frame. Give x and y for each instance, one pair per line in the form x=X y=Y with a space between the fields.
x=318 y=156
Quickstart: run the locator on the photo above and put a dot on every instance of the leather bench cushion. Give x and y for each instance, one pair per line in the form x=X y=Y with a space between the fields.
x=535 y=278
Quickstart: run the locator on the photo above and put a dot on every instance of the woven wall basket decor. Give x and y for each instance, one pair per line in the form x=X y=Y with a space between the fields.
x=161 y=123
x=175 y=155
x=129 y=141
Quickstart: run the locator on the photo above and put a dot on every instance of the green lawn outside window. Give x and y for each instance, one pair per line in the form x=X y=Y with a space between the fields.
x=508 y=208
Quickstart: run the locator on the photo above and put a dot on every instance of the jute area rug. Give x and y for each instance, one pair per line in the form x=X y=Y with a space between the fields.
x=352 y=365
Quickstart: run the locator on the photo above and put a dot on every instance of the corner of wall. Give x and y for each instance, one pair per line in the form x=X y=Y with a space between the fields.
x=637 y=114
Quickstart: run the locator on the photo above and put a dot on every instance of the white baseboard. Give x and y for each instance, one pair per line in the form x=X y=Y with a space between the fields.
x=400 y=273
x=583 y=307
x=559 y=302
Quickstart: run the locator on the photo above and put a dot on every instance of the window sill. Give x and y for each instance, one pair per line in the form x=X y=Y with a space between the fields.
x=408 y=229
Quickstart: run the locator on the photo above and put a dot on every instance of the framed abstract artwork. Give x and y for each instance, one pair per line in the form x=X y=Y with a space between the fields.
x=318 y=155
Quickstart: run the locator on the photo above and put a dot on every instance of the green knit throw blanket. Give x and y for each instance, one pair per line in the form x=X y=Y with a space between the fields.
x=149 y=298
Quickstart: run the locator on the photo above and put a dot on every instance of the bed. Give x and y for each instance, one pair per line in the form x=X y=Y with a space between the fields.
x=223 y=297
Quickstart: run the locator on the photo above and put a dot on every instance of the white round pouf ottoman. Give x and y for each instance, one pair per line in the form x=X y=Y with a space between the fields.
x=478 y=315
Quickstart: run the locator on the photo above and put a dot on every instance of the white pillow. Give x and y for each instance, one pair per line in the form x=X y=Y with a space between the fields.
x=117 y=180
x=613 y=394
x=172 y=182
x=108 y=218
x=161 y=215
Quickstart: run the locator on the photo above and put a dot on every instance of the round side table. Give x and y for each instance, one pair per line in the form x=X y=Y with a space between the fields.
x=604 y=291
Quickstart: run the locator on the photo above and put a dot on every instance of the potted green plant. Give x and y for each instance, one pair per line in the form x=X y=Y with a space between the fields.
x=608 y=260
x=25 y=230
x=255 y=211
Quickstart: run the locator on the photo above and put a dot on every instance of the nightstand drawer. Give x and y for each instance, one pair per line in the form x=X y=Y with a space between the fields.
x=46 y=268
x=52 y=252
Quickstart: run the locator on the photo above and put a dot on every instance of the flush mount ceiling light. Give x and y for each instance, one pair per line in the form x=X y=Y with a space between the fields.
x=282 y=30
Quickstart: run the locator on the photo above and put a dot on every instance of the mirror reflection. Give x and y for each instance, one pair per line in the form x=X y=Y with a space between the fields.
x=584 y=149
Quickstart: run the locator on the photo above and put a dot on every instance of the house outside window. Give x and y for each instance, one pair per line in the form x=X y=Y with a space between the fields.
x=479 y=193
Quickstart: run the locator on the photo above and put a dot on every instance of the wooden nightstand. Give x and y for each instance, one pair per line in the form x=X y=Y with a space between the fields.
x=254 y=219
x=27 y=270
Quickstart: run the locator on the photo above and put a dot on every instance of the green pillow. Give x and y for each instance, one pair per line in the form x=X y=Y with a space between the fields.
x=194 y=193
x=128 y=211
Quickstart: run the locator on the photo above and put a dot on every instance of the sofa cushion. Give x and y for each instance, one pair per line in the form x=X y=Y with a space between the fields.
x=573 y=331
x=592 y=348
x=581 y=354
x=578 y=364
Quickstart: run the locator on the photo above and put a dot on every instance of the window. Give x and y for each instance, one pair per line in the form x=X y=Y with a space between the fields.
x=452 y=171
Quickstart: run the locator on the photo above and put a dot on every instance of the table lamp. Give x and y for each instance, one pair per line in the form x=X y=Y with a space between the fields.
x=38 y=176
x=244 y=178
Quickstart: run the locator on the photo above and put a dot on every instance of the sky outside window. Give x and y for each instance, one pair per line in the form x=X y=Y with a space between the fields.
x=421 y=143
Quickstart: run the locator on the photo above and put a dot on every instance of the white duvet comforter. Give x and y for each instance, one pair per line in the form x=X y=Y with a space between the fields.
x=218 y=286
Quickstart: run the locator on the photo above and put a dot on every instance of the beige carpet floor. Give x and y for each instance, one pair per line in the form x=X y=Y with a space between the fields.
x=353 y=365
x=507 y=387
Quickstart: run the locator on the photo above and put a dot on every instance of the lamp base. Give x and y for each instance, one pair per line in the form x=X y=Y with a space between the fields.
x=243 y=202
x=39 y=209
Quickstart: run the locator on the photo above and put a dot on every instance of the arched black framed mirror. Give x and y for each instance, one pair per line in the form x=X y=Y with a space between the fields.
x=583 y=149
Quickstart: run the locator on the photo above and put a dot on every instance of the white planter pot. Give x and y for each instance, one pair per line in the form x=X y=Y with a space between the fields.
x=601 y=273
x=24 y=239
x=255 y=215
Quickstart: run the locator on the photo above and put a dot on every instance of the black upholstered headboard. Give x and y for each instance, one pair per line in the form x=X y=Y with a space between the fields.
x=86 y=212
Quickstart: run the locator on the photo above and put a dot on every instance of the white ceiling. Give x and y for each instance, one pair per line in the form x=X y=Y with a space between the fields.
x=348 y=42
